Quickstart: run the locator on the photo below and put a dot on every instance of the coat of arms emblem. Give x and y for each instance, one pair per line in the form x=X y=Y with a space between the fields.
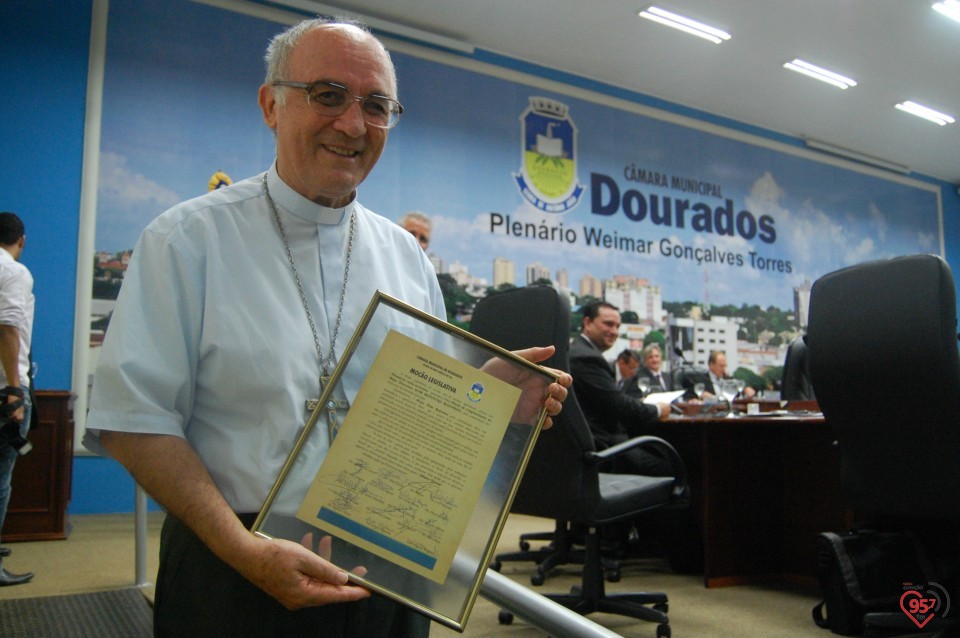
x=548 y=170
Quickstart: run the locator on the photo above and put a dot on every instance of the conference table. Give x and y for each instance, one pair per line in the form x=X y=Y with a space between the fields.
x=763 y=486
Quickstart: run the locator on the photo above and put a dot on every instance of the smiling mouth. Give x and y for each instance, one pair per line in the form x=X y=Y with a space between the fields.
x=341 y=151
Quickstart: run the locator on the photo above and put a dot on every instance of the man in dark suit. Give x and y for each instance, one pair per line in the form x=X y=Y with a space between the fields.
x=612 y=415
x=652 y=369
x=628 y=364
x=717 y=365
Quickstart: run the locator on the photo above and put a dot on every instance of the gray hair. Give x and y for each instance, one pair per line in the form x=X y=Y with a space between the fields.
x=417 y=215
x=649 y=348
x=277 y=57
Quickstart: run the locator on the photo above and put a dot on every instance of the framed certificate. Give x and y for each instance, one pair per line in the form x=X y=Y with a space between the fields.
x=411 y=457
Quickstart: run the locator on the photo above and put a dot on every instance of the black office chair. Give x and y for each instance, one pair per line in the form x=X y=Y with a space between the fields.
x=882 y=339
x=796 y=373
x=561 y=481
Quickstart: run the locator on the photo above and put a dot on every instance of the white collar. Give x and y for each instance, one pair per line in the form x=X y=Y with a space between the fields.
x=296 y=204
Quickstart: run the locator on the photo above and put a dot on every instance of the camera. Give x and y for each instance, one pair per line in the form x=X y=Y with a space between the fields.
x=10 y=435
x=10 y=427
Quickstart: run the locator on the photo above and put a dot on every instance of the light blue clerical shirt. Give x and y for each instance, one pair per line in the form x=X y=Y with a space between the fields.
x=209 y=339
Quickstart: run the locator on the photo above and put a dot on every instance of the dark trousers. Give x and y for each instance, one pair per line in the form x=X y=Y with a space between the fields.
x=198 y=595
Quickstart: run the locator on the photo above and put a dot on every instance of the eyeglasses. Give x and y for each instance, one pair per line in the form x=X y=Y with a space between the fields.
x=332 y=100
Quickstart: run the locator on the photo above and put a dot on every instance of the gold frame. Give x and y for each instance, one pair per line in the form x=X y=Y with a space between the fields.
x=447 y=603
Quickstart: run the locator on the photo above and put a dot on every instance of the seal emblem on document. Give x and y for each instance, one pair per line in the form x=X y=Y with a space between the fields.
x=476 y=390
x=548 y=158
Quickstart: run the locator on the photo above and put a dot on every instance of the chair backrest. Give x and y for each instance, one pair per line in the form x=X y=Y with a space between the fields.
x=557 y=481
x=796 y=373
x=882 y=339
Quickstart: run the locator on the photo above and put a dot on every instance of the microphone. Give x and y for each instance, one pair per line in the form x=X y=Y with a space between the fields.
x=677 y=351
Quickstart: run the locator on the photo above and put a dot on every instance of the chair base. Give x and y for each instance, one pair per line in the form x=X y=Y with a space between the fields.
x=562 y=550
x=591 y=595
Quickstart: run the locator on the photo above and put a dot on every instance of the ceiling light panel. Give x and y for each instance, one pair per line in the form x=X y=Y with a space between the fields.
x=684 y=24
x=926 y=113
x=949 y=8
x=819 y=73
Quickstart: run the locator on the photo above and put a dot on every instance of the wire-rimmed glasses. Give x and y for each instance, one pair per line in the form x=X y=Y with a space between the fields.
x=332 y=99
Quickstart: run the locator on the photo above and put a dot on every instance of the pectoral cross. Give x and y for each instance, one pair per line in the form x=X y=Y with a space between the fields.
x=333 y=404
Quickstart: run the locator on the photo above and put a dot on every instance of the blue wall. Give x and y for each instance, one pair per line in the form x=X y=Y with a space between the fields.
x=45 y=55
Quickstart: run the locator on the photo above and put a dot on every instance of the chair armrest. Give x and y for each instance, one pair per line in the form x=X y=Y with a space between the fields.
x=678 y=467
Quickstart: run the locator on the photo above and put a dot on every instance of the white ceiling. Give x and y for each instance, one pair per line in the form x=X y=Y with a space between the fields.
x=895 y=49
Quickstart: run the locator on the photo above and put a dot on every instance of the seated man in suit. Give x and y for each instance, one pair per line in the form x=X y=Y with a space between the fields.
x=612 y=415
x=652 y=369
x=628 y=364
x=717 y=365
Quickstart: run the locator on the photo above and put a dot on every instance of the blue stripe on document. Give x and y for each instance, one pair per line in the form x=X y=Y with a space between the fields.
x=381 y=540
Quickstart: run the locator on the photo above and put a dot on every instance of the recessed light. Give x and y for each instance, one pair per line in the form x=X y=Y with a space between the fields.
x=819 y=73
x=949 y=8
x=926 y=113
x=684 y=24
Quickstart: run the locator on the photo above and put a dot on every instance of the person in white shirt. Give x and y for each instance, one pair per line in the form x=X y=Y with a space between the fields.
x=234 y=305
x=16 y=327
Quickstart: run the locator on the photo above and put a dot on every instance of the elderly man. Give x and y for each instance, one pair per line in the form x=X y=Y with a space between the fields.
x=234 y=305
x=418 y=225
x=613 y=416
x=653 y=368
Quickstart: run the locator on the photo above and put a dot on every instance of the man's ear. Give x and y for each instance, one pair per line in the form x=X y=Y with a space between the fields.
x=268 y=105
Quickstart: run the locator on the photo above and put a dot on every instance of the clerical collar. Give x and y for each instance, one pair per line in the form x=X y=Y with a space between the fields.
x=298 y=205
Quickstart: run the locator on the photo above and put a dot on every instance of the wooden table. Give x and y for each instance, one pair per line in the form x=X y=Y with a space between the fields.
x=763 y=487
x=42 y=478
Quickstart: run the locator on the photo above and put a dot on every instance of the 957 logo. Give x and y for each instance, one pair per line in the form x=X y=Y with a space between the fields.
x=921 y=603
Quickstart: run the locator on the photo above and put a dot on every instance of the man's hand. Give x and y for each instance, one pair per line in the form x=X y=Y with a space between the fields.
x=170 y=471
x=296 y=577
x=556 y=392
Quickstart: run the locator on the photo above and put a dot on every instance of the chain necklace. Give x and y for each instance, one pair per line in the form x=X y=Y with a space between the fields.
x=325 y=362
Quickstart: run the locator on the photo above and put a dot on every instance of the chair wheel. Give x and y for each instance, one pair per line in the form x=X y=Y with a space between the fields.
x=537 y=579
x=505 y=618
x=524 y=546
x=662 y=607
x=613 y=576
x=663 y=631
x=496 y=565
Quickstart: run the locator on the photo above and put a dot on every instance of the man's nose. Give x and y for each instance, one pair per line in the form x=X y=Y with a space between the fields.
x=351 y=121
